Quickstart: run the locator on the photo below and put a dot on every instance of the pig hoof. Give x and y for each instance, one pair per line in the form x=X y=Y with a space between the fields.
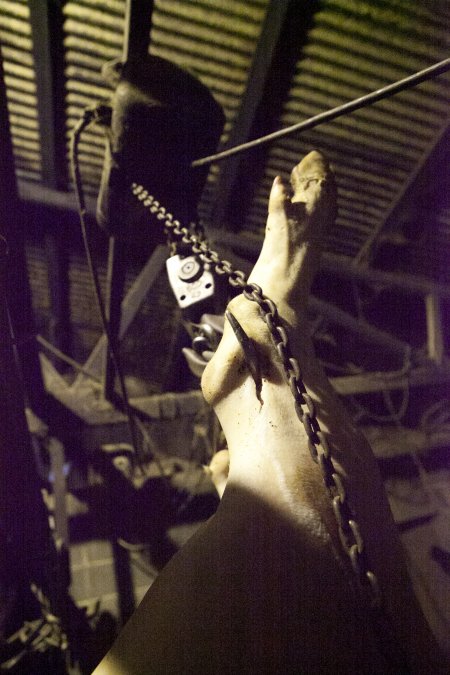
x=296 y=224
x=298 y=220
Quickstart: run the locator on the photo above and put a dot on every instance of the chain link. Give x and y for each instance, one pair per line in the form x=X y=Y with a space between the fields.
x=348 y=528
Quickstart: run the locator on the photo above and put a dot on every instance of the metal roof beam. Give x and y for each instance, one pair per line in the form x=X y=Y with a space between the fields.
x=366 y=383
x=336 y=264
x=271 y=31
x=341 y=266
x=47 y=37
x=138 y=18
x=429 y=179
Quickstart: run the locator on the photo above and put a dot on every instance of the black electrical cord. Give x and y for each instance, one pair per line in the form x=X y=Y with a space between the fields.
x=328 y=115
x=98 y=114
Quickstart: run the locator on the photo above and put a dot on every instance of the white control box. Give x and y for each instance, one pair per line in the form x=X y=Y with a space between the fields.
x=190 y=279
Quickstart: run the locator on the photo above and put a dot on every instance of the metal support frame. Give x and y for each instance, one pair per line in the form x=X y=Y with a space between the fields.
x=45 y=17
x=254 y=105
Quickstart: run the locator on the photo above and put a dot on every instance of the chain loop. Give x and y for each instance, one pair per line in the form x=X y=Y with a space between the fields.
x=349 y=532
x=253 y=292
x=237 y=278
x=324 y=444
x=339 y=486
x=224 y=267
x=326 y=467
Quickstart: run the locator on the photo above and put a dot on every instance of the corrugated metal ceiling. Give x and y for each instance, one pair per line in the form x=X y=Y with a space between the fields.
x=18 y=66
x=351 y=47
x=355 y=47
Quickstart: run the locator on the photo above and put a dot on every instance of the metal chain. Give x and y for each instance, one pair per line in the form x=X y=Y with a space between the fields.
x=348 y=528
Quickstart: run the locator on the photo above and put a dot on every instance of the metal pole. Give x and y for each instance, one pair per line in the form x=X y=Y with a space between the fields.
x=328 y=115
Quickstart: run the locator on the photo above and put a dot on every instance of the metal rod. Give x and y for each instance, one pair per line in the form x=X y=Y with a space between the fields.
x=328 y=115
x=435 y=328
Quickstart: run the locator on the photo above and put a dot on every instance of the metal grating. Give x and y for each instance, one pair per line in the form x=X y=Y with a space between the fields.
x=18 y=66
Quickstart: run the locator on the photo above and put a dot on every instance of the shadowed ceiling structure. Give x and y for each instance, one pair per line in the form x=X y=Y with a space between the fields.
x=269 y=64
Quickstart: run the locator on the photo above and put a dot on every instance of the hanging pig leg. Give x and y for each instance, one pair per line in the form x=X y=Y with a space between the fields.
x=267 y=446
x=263 y=587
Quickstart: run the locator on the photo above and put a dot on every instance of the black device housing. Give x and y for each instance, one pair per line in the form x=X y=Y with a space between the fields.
x=162 y=119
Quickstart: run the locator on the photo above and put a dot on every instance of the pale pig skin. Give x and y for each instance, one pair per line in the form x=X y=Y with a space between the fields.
x=263 y=586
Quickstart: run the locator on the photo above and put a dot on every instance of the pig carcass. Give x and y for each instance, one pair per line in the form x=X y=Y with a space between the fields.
x=264 y=586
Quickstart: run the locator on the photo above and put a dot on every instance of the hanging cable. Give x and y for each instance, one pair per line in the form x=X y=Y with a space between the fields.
x=98 y=114
x=328 y=115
